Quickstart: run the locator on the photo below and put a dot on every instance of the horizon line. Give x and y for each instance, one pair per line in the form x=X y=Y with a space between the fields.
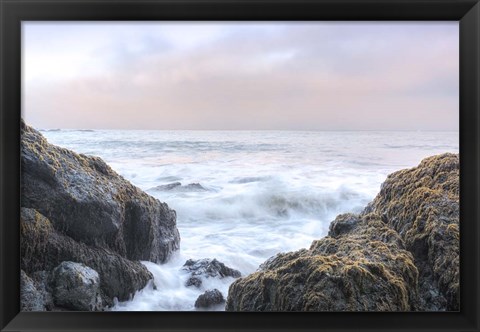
x=304 y=130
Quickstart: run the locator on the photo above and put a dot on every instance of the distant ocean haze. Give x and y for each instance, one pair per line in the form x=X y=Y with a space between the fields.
x=244 y=196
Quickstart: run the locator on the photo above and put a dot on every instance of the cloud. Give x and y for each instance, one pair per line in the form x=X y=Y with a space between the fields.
x=299 y=76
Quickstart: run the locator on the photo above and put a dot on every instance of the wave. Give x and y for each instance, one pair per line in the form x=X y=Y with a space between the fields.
x=250 y=179
x=271 y=202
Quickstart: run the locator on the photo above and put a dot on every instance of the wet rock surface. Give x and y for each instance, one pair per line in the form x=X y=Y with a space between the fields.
x=400 y=254
x=209 y=299
x=207 y=268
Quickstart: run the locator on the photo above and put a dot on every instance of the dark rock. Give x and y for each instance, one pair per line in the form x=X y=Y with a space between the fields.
x=342 y=224
x=177 y=186
x=209 y=298
x=41 y=280
x=400 y=254
x=194 y=187
x=31 y=299
x=167 y=187
x=75 y=286
x=207 y=268
x=87 y=201
x=422 y=205
x=43 y=248
x=194 y=281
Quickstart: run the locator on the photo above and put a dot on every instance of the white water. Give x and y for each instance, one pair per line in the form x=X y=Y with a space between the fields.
x=268 y=191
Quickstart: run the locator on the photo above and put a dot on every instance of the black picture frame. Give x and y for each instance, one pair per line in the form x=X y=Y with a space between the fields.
x=13 y=12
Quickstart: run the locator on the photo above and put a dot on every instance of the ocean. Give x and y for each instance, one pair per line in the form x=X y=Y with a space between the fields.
x=253 y=194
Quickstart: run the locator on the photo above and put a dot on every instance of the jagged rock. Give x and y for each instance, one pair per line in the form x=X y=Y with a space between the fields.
x=343 y=223
x=400 y=254
x=31 y=299
x=194 y=281
x=209 y=298
x=422 y=205
x=87 y=201
x=365 y=270
x=207 y=268
x=76 y=286
x=43 y=248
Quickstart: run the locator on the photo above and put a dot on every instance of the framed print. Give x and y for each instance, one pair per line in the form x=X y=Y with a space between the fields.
x=246 y=165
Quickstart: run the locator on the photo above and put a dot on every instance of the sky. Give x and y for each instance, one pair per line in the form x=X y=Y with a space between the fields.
x=241 y=75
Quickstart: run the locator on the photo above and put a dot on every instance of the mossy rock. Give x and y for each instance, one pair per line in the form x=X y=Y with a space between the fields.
x=422 y=205
x=400 y=254
x=363 y=269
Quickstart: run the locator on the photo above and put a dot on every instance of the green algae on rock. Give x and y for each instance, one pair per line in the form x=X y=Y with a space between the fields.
x=400 y=254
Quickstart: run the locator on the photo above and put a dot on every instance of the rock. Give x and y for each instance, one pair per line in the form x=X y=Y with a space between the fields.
x=207 y=268
x=194 y=281
x=400 y=254
x=41 y=280
x=194 y=187
x=365 y=270
x=87 y=201
x=167 y=187
x=177 y=186
x=209 y=298
x=43 y=248
x=75 y=286
x=422 y=205
x=30 y=298
x=344 y=223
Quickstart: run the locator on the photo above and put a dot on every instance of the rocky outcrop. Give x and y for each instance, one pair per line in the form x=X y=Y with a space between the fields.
x=43 y=249
x=422 y=205
x=400 y=254
x=209 y=299
x=89 y=202
x=75 y=286
x=207 y=268
x=76 y=209
x=364 y=268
